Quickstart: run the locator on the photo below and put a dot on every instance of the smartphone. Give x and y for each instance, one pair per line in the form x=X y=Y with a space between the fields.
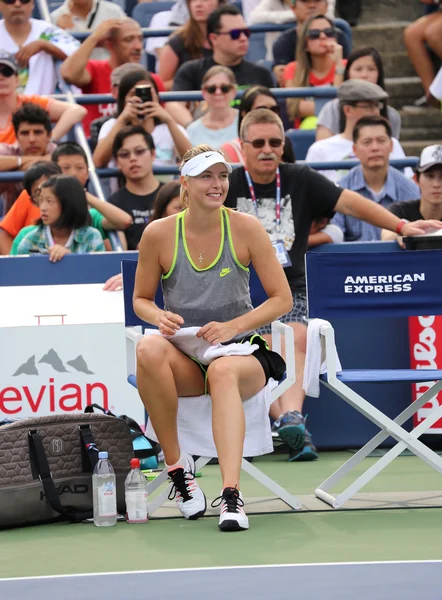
x=144 y=92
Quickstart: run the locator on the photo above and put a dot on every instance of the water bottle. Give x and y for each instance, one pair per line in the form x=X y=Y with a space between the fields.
x=135 y=488
x=104 y=492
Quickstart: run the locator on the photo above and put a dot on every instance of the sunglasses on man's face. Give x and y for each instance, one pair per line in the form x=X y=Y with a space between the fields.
x=260 y=143
x=211 y=89
x=11 y=2
x=6 y=71
x=235 y=34
x=315 y=34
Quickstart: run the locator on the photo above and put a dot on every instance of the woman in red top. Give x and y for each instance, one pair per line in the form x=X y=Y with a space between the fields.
x=318 y=62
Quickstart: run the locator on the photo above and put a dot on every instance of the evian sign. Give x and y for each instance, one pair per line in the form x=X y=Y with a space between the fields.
x=67 y=390
x=426 y=353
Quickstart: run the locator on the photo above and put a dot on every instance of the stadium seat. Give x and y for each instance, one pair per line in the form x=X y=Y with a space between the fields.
x=301 y=140
x=358 y=285
x=144 y=12
x=134 y=332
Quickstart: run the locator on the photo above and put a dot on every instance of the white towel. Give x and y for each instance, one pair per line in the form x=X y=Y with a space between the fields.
x=195 y=424
x=185 y=339
x=315 y=363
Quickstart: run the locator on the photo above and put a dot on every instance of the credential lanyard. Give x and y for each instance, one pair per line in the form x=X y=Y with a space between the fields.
x=278 y=197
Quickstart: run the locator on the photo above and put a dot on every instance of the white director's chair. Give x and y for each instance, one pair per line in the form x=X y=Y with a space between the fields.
x=134 y=332
x=358 y=285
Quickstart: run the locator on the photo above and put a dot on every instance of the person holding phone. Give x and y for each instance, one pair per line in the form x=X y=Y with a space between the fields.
x=138 y=104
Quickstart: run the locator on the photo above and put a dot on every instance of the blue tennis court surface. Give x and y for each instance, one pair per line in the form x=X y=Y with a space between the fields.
x=409 y=580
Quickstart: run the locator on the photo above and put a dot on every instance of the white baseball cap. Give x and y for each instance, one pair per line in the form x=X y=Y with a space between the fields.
x=201 y=162
x=431 y=156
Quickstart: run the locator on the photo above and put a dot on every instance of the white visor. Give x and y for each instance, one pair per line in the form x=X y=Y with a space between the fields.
x=200 y=163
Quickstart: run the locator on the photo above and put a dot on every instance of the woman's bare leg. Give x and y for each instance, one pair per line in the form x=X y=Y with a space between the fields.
x=163 y=374
x=232 y=379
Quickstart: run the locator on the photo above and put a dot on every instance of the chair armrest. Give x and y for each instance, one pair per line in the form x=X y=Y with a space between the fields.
x=133 y=336
x=279 y=329
x=328 y=333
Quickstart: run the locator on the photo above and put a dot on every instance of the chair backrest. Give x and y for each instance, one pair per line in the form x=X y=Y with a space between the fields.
x=346 y=30
x=301 y=140
x=374 y=284
x=257 y=49
x=144 y=12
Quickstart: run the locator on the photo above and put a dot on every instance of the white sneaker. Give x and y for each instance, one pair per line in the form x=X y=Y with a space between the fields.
x=232 y=517
x=189 y=497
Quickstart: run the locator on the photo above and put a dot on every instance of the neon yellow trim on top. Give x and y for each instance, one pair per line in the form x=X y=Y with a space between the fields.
x=186 y=249
x=175 y=254
x=229 y=235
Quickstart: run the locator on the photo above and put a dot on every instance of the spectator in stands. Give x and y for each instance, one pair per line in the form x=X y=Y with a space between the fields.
x=304 y=195
x=319 y=61
x=373 y=178
x=429 y=206
x=64 y=224
x=220 y=123
x=357 y=99
x=363 y=63
x=36 y=45
x=32 y=128
x=170 y=139
x=65 y=115
x=167 y=201
x=229 y=38
x=86 y=15
x=426 y=31
x=116 y=77
x=285 y=45
x=124 y=41
x=188 y=42
x=134 y=152
x=324 y=232
x=25 y=211
x=255 y=97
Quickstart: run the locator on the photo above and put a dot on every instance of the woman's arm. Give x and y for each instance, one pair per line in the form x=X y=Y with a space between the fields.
x=168 y=66
x=323 y=132
x=65 y=116
x=114 y=217
x=103 y=151
x=180 y=139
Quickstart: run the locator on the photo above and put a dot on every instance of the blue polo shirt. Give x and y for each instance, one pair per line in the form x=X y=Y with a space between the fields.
x=397 y=188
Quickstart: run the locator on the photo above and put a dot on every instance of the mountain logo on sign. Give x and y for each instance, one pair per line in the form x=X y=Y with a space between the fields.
x=51 y=358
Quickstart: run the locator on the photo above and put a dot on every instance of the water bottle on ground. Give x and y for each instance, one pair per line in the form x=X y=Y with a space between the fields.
x=135 y=488
x=104 y=492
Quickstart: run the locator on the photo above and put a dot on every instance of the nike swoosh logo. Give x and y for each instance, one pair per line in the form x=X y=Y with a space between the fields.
x=225 y=272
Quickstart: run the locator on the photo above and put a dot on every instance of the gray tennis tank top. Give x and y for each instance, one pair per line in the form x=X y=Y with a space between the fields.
x=220 y=292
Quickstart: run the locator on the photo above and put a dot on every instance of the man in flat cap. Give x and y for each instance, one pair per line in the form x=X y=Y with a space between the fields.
x=357 y=99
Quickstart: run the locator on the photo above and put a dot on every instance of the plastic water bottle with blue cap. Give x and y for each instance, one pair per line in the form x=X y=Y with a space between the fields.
x=104 y=488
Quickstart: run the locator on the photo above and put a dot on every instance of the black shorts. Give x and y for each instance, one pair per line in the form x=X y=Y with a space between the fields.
x=271 y=362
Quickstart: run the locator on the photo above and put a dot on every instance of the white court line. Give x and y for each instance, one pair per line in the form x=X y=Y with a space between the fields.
x=233 y=567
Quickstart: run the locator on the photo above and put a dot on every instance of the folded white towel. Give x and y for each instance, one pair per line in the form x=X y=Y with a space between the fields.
x=315 y=363
x=185 y=339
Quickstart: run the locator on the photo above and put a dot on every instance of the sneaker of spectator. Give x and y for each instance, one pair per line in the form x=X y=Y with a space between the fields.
x=86 y=15
x=188 y=42
x=428 y=177
x=72 y=160
x=363 y=63
x=134 y=153
x=219 y=123
x=373 y=178
x=170 y=139
x=229 y=38
x=426 y=31
x=32 y=127
x=25 y=211
x=319 y=61
x=357 y=99
x=36 y=45
x=123 y=39
x=284 y=47
x=63 y=114
x=64 y=226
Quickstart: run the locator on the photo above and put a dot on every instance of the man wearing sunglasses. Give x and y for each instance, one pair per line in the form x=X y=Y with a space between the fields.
x=287 y=198
x=284 y=47
x=229 y=38
x=357 y=98
x=36 y=45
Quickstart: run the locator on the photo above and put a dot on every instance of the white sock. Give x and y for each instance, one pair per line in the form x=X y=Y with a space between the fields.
x=178 y=465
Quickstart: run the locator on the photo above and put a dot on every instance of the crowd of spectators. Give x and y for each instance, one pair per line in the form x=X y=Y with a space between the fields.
x=53 y=212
